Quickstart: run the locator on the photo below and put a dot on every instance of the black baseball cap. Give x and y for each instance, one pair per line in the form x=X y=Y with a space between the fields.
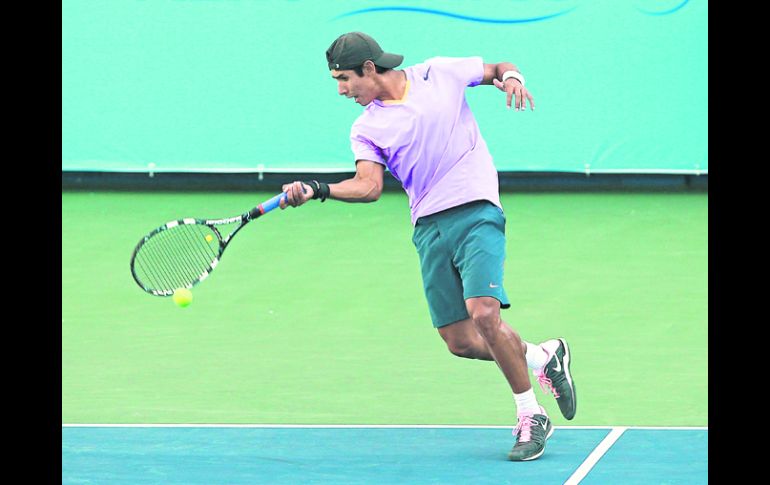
x=354 y=48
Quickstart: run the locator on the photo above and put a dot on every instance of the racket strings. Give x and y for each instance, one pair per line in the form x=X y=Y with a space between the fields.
x=174 y=269
x=172 y=259
x=158 y=270
x=176 y=257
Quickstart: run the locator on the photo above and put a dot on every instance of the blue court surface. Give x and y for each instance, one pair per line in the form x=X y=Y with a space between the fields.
x=214 y=454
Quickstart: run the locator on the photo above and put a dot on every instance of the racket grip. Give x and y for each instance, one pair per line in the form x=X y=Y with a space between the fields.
x=266 y=206
x=271 y=204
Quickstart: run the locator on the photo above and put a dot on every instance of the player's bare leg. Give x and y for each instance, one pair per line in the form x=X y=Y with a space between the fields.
x=549 y=361
x=503 y=344
x=505 y=347
x=464 y=340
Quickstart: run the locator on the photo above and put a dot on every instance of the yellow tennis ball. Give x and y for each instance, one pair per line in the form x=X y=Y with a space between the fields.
x=209 y=238
x=182 y=297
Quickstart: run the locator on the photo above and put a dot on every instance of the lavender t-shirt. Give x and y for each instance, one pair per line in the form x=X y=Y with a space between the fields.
x=429 y=140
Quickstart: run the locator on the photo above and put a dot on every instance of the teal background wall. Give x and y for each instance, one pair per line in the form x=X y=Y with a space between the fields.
x=242 y=85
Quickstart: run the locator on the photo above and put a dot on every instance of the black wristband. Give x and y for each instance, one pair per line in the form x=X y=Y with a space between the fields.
x=320 y=190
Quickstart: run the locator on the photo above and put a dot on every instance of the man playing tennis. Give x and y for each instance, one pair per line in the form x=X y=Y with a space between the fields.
x=417 y=123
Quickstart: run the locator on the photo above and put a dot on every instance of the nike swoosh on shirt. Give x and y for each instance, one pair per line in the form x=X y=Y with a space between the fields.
x=425 y=77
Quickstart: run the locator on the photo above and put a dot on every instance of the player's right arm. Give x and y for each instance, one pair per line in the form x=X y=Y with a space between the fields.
x=365 y=186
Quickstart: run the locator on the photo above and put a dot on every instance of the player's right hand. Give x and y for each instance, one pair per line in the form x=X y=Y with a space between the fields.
x=297 y=194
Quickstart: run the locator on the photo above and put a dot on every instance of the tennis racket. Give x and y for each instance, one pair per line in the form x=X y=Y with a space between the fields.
x=184 y=252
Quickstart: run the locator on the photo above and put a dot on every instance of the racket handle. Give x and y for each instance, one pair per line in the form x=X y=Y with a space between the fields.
x=267 y=206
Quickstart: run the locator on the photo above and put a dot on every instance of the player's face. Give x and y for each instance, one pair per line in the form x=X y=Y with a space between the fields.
x=362 y=89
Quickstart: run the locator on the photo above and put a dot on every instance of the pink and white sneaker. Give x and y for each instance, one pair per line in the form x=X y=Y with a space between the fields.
x=531 y=433
x=555 y=377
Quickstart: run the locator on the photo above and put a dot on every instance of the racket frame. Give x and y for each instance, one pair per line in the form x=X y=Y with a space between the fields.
x=242 y=220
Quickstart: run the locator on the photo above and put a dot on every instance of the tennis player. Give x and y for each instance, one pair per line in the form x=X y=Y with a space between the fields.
x=417 y=123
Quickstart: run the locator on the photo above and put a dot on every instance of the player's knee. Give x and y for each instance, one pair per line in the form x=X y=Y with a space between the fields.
x=461 y=348
x=486 y=319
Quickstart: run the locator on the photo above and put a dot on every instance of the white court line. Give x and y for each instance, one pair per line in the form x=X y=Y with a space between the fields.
x=595 y=456
x=357 y=426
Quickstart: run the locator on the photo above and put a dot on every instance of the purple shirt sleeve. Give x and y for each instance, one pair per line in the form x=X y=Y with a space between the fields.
x=364 y=149
x=467 y=70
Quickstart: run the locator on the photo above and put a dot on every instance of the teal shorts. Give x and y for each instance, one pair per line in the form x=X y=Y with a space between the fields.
x=462 y=251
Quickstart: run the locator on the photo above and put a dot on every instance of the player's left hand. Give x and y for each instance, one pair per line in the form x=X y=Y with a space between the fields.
x=513 y=87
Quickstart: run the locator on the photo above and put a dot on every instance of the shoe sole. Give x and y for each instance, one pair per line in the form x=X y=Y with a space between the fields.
x=533 y=457
x=566 y=359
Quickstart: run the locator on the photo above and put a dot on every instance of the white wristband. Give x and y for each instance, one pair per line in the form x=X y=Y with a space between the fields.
x=513 y=74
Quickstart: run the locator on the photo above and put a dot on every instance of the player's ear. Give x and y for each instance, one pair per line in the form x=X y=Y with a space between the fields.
x=369 y=67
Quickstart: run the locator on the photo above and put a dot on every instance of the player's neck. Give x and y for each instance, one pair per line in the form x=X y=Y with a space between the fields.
x=393 y=86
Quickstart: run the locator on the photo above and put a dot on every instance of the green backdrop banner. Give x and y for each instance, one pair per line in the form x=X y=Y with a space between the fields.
x=242 y=85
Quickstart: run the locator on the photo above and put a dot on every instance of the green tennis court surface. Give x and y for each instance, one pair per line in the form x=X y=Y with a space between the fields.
x=316 y=315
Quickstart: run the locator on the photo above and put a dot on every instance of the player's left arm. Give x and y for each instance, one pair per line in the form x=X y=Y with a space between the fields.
x=513 y=87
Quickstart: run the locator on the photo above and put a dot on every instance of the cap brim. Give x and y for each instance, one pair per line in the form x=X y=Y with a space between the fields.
x=389 y=60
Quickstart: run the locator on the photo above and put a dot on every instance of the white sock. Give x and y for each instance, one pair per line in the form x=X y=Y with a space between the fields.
x=536 y=356
x=526 y=402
